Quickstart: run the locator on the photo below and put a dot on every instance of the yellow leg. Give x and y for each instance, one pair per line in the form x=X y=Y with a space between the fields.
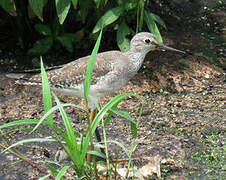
x=91 y=118
x=97 y=133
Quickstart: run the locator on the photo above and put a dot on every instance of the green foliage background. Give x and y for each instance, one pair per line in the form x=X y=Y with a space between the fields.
x=43 y=23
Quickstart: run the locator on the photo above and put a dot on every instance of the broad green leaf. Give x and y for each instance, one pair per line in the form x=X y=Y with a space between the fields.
x=152 y=26
x=90 y=66
x=100 y=3
x=75 y=3
x=37 y=7
x=120 y=2
x=41 y=46
x=66 y=42
x=130 y=5
x=9 y=6
x=97 y=2
x=46 y=93
x=62 y=8
x=43 y=29
x=109 y=17
x=85 y=6
x=157 y=19
x=72 y=36
x=122 y=41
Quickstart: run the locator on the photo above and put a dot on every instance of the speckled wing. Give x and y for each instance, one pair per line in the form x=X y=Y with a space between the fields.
x=73 y=74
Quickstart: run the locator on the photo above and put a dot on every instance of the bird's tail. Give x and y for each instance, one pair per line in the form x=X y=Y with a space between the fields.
x=15 y=75
x=23 y=79
x=27 y=82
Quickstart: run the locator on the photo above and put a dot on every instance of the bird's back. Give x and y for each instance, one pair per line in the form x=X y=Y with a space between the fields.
x=73 y=73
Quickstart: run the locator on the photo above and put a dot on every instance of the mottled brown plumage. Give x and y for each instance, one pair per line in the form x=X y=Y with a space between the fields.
x=112 y=69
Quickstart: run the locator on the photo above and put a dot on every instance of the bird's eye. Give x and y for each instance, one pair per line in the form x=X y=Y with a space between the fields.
x=147 y=41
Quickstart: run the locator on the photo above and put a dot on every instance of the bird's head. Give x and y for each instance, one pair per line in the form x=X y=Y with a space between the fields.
x=145 y=42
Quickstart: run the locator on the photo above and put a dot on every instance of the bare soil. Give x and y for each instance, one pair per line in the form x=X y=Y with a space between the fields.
x=173 y=125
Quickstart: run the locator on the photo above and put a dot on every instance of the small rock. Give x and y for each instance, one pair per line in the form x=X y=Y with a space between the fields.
x=207 y=76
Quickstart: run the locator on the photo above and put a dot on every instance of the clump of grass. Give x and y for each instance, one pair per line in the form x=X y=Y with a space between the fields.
x=68 y=138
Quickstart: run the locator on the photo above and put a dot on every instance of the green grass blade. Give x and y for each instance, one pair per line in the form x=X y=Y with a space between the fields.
x=42 y=120
x=15 y=130
x=28 y=141
x=47 y=100
x=124 y=114
x=110 y=113
x=120 y=145
x=134 y=134
x=67 y=123
x=61 y=172
x=140 y=114
x=127 y=116
x=63 y=136
x=90 y=66
x=98 y=118
x=97 y=153
x=74 y=152
x=44 y=177
x=22 y=122
x=53 y=170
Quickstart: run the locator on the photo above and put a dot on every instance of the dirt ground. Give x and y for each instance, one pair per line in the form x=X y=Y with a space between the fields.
x=186 y=127
x=183 y=119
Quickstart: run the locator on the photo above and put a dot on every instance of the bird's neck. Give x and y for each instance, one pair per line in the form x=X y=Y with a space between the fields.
x=136 y=58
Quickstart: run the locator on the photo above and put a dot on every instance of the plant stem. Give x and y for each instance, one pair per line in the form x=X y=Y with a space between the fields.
x=105 y=144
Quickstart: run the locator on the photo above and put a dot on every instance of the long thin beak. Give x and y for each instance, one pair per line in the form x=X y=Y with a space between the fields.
x=164 y=47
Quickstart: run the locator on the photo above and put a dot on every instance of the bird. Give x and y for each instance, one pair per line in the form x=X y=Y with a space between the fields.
x=112 y=70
